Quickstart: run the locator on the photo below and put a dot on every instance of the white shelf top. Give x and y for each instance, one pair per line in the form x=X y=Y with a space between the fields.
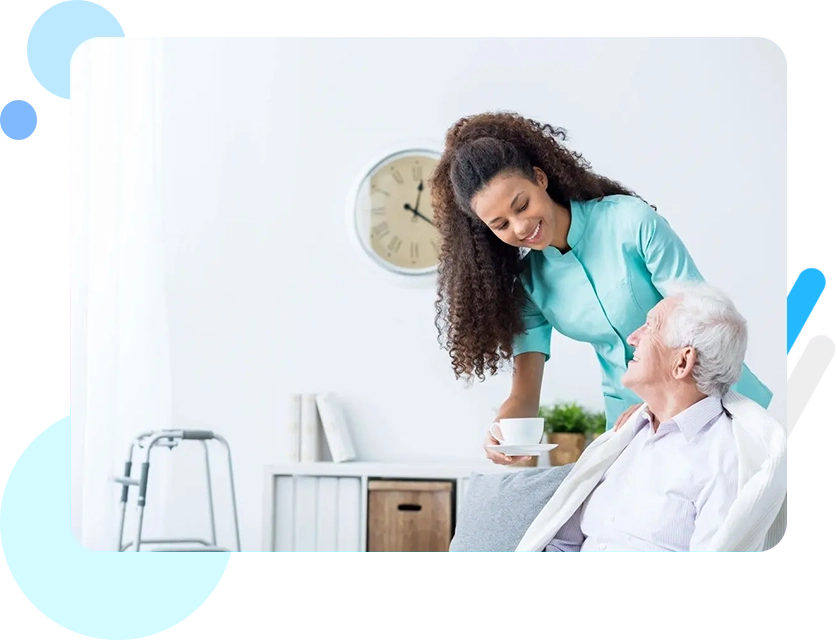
x=388 y=469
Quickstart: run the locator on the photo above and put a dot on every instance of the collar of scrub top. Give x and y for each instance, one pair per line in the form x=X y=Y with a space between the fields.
x=578 y=220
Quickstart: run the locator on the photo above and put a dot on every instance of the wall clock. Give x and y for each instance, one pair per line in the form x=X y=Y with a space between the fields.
x=390 y=212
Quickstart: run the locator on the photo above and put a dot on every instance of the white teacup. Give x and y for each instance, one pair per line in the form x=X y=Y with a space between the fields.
x=518 y=430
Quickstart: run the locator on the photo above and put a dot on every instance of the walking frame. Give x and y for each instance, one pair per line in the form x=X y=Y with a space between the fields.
x=171 y=438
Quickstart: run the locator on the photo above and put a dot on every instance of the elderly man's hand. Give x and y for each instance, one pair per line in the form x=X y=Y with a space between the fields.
x=625 y=415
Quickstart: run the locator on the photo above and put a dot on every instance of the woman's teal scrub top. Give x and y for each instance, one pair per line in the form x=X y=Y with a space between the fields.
x=622 y=254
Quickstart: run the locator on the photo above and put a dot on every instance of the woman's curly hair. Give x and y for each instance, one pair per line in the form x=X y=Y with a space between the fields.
x=479 y=302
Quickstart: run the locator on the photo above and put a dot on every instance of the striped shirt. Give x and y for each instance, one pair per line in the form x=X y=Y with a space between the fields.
x=667 y=491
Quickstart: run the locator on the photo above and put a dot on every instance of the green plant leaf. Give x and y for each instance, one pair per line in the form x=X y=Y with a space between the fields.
x=567 y=417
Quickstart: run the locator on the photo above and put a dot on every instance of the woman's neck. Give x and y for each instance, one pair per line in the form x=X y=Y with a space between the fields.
x=562 y=219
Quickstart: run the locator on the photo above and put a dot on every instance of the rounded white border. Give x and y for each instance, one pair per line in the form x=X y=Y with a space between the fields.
x=397 y=275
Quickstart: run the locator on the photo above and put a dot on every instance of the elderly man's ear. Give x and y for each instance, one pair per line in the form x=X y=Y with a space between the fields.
x=684 y=363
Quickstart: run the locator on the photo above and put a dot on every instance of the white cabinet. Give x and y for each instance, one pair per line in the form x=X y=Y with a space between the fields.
x=322 y=506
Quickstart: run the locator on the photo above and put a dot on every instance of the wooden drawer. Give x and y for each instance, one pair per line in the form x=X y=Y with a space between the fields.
x=410 y=515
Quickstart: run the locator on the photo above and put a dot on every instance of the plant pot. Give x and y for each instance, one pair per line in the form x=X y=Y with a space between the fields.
x=569 y=449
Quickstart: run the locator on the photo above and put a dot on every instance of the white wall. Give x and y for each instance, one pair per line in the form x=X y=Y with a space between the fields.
x=263 y=138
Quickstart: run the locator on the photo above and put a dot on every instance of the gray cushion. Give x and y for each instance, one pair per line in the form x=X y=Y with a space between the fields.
x=499 y=507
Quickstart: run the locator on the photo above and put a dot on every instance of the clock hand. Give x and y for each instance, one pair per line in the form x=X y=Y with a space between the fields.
x=418 y=197
x=416 y=213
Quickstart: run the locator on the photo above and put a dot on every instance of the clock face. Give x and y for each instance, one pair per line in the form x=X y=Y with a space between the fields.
x=393 y=216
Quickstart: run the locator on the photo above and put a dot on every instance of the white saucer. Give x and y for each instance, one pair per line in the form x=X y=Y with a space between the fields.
x=522 y=449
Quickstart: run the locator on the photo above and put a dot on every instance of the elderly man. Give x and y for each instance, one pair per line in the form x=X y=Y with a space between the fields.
x=683 y=473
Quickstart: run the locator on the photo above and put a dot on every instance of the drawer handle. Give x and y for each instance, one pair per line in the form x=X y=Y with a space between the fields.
x=409 y=507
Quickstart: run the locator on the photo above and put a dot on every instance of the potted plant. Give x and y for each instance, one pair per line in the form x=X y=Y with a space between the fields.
x=598 y=425
x=566 y=425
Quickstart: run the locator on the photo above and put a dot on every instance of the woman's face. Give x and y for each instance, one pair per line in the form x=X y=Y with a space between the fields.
x=518 y=211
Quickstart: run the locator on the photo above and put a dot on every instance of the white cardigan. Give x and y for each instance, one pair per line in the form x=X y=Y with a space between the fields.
x=762 y=480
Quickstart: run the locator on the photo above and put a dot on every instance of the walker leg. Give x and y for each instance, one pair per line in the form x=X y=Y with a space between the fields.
x=232 y=488
x=121 y=527
x=124 y=499
x=235 y=507
x=209 y=490
x=143 y=485
x=139 y=529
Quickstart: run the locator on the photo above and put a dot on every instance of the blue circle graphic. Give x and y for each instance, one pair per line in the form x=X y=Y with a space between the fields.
x=18 y=120
x=58 y=33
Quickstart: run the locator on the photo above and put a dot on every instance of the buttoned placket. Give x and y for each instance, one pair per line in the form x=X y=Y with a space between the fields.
x=572 y=258
x=574 y=236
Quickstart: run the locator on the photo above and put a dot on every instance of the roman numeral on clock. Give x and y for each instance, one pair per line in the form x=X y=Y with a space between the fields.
x=417 y=173
x=414 y=251
x=394 y=244
x=397 y=175
x=380 y=230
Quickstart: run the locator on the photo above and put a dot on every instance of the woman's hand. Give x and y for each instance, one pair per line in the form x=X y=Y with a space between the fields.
x=523 y=402
x=627 y=413
x=495 y=456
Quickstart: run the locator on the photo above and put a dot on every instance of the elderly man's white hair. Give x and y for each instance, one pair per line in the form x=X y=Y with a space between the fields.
x=704 y=318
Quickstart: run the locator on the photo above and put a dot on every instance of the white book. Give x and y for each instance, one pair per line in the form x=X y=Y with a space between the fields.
x=294 y=427
x=327 y=508
x=348 y=514
x=309 y=444
x=305 y=513
x=284 y=517
x=335 y=428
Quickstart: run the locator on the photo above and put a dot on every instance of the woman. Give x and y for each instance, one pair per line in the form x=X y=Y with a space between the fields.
x=598 y=259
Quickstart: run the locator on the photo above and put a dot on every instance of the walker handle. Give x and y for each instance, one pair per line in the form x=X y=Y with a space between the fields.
x=198 y=435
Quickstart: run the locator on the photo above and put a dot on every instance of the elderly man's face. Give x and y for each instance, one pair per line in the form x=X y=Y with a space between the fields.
x=653 y=361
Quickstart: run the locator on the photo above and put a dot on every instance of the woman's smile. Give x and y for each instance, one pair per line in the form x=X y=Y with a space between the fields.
x=536 y=234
